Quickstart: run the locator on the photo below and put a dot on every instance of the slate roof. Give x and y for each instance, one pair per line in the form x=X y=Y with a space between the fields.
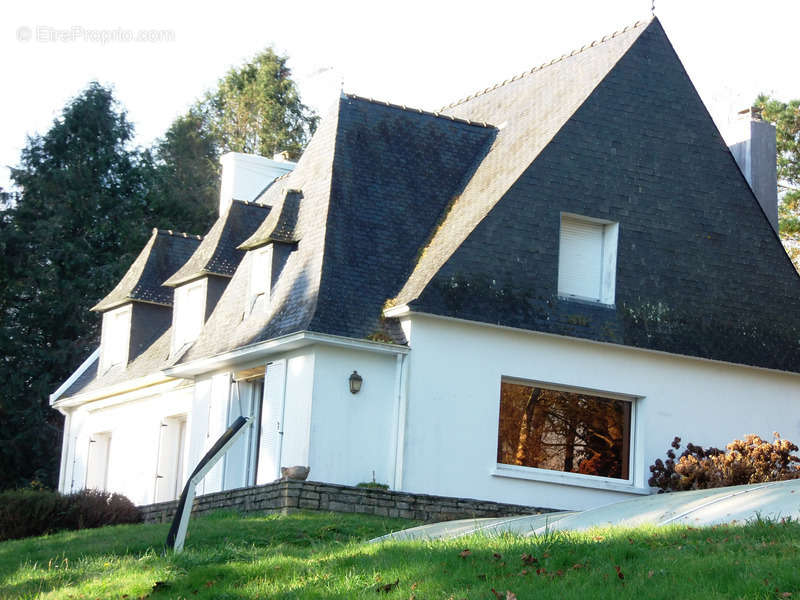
x=369 y=166
x=458 y=214
x=217 y=254
x=162 y=256
x=533 y=107
x=280 y=225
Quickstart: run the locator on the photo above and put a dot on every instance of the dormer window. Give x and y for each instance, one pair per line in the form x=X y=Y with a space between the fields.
x=260 y=278
x=188 y=313
x=587 y=258
x=115 y=340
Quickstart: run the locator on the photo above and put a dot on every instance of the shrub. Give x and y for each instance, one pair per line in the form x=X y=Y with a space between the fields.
x=27 y=512
x=752 y=460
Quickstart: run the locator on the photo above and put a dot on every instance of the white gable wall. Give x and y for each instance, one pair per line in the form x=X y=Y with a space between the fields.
x=454 y=396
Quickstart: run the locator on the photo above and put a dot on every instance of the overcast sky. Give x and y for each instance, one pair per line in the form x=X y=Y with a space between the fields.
x=420 y=53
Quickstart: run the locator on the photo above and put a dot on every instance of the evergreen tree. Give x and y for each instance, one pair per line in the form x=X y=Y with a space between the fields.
x=185 y=176
x=75 y=228
x=256 y=109
x=786 y=118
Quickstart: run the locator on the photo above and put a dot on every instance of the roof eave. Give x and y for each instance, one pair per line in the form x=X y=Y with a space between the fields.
x=262 y=350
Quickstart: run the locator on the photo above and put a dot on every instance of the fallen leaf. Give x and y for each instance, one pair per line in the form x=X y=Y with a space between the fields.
x=650 y=573
x=598 y=538
x=464 y=553
x=528 y=559
x=630 y=540
x=619 y=572
x=560 y=573
x=388 y=587
x=497 y=594
x=497 y=556
x=413 y=586
x=786 y=595
x=545 y=555
x=510 y=595
x=577 y=566
x=523 y=572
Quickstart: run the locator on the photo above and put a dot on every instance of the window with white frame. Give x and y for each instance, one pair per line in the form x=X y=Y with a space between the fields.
x=260 y=278
x=188 y=313
x=587 y=258
x=560 y=430
x=115 y=337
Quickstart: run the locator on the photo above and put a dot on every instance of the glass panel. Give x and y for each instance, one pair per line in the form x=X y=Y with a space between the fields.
x=563 y=431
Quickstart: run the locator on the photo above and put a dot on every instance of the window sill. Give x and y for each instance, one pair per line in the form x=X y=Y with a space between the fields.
x=588 y=301
x=574 y=479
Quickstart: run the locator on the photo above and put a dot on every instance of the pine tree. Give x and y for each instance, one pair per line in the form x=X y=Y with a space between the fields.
x=75 y=228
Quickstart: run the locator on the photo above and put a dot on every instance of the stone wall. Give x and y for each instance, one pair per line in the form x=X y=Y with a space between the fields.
x=288 y=496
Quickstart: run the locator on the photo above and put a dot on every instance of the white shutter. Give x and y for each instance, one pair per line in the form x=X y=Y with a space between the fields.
x=269 y=441
x=236 y=456
x=97 y=461
x=163 y=464
x=217 y=419
x=580 y=258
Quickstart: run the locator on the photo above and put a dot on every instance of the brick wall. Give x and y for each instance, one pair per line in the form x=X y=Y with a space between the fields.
x=288 y=496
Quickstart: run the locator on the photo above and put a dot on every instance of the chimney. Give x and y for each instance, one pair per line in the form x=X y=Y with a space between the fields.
x=244 y=176
x=753 y=147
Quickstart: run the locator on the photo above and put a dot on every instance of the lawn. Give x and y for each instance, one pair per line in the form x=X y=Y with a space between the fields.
x=323 y=555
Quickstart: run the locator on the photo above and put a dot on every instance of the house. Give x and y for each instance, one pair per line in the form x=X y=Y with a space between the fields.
x=537 y=288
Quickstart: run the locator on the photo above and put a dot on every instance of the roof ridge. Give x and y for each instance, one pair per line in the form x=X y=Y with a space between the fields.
x=191 y=236
x=421 y=112
x=251 y=203
x=583 y=48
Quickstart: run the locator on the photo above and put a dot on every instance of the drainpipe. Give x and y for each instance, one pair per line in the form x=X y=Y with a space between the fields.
x=62 y=471
x=401 y=408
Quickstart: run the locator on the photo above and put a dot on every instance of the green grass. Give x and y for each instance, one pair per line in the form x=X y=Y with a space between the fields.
x=322 y=555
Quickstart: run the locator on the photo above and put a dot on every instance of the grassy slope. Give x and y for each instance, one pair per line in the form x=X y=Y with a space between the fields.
x=320 y=555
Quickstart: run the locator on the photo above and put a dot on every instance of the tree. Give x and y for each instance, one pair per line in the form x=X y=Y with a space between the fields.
x=786 y=118
x=75 y=228
x=257 y=109
x=185 y=176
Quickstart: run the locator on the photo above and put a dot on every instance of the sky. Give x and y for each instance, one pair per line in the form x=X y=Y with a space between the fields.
x=161 y=56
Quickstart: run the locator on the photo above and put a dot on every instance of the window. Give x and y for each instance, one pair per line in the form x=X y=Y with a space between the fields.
x=260 y=278
x=188 y=313
x=115 y=337
x=587 y=258
x=568 y=431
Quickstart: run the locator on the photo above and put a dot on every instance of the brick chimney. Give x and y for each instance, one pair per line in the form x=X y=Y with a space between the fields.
x=752 y=142
x=244 y=176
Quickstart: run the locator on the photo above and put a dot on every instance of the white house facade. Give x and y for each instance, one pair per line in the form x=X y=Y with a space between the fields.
x=521 y=299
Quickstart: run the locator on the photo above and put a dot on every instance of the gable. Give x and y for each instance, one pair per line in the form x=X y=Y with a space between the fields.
x=699 y=269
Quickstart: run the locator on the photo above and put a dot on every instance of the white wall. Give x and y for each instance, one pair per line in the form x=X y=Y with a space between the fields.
x=134 y=428
x=351 y=434
x=454 y=396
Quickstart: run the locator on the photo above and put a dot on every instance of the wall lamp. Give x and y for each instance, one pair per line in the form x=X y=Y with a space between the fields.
x=355 y=382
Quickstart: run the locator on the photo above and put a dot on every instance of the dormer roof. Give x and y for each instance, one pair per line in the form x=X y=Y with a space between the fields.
x=165 y=252
x=280 y=225
x=218 y=253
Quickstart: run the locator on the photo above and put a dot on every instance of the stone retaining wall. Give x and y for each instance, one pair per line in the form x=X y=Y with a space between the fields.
x=288 y=496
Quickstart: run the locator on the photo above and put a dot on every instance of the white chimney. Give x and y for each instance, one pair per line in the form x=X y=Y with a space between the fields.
x=752 y=142
x=244 y=176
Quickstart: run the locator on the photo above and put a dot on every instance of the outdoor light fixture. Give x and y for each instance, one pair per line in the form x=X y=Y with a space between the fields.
x=355 y=382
